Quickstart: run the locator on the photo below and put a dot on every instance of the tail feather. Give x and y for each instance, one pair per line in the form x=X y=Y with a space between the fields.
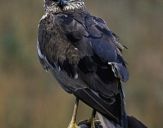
x=106 y=123
x=135 y=123
x=132 y=122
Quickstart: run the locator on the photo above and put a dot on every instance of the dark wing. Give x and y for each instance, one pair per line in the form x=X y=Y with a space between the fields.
x=43 y=37
x=104 y=44
x=109 y=49
x=97 y=65
x=102 y=67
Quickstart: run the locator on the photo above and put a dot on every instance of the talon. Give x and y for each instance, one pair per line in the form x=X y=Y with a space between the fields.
x=73 y=125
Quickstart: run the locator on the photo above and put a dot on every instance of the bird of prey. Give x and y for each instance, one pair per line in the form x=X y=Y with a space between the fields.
x=85 y=57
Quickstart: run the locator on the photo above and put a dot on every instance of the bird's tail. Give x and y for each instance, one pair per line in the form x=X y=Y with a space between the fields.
x=132 y=122
x=106 y=123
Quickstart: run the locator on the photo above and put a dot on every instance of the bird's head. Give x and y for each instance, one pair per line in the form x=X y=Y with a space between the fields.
x=63 y=5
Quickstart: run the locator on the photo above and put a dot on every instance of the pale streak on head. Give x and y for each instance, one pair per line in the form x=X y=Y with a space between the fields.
x=69 y=7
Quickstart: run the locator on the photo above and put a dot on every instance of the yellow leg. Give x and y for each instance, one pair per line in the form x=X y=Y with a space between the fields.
x=73 y=120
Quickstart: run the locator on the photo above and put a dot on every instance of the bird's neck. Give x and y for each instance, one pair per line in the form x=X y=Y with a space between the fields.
x=73 y=6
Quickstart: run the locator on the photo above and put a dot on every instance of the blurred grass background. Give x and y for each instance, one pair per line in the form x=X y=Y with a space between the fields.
x=31 y=98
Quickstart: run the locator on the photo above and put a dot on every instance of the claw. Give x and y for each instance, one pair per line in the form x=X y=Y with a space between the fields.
x=73 y=125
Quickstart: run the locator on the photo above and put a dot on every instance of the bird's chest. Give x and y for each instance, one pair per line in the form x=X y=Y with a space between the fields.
x=59 y=48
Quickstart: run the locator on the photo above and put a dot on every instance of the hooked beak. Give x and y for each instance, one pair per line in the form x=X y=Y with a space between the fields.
x=62 y=3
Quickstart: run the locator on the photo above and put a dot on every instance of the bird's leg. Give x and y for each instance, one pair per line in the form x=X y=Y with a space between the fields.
x=73 y=120
x=92 y=119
